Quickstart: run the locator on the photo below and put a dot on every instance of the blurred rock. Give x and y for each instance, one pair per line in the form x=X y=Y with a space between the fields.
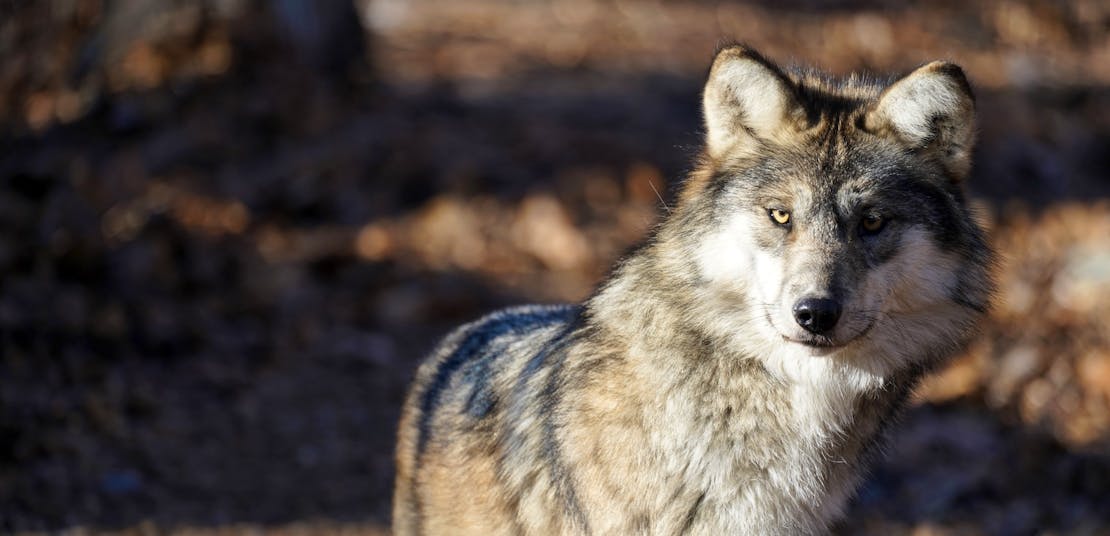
x=542 y=228
x=1014 y=368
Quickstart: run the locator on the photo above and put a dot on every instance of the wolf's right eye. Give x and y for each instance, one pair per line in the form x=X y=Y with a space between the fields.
x=872 y=224
x=779 y=216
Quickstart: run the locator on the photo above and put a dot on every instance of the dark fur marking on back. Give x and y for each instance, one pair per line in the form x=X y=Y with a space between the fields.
x=549 y=398
x=475 y=342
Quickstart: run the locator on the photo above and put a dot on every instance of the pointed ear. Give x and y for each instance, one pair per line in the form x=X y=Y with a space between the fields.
x=746 y=96
x=931 y=109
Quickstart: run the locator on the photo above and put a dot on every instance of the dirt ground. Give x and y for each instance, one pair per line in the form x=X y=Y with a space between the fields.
x=229 y=229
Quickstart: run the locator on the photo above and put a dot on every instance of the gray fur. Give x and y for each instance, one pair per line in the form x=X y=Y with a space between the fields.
x=680 y=398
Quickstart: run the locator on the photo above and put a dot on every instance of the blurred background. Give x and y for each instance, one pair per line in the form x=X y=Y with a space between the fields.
x=229 y=229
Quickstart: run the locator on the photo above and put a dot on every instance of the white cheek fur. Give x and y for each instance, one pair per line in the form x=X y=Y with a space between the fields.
x=725 y=256
x=728 y=258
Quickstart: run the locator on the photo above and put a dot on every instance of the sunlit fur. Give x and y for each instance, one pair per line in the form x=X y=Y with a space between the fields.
x=683 y=397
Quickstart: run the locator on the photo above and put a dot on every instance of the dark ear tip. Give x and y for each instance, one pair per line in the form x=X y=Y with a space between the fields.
x=741 y=51
x=738 y=51
x=953 y=71
x=729 y=47
x=733 y=49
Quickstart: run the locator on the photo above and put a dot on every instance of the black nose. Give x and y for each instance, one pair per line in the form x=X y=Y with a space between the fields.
x=817 y=315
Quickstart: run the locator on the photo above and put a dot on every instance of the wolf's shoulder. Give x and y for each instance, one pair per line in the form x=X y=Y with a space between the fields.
x=465 y=366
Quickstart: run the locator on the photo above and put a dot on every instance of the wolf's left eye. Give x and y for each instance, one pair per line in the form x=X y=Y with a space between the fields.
x=872 y=224
x=779 y=216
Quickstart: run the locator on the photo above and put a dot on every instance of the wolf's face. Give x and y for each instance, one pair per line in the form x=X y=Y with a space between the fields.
x=829 y=255
x=838 y=221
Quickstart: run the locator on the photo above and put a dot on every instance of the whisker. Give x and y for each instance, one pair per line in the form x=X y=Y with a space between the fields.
x=661 y=201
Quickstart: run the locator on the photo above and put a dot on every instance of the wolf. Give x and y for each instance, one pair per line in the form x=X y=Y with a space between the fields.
x=736 y=372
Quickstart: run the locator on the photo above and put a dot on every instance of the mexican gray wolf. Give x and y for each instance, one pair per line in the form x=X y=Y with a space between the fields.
x=736 y=372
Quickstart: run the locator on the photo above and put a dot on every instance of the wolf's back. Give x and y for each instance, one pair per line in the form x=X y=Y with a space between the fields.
x=455 y=414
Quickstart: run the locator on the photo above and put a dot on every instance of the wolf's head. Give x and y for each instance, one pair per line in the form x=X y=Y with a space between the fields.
x=828 y=220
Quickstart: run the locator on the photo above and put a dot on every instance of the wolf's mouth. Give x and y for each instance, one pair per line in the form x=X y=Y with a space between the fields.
x=815 y=342
x=821 y=344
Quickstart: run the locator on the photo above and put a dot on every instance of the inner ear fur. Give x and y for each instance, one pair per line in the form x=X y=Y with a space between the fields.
x=931 y=109
x=746 y=96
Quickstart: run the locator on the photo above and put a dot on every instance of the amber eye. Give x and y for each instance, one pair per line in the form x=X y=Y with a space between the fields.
x=872 y=223
x=779 y=216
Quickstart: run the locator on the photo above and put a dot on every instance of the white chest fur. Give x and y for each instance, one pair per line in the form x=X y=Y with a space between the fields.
x=768 y=457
